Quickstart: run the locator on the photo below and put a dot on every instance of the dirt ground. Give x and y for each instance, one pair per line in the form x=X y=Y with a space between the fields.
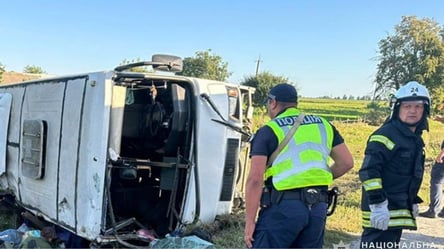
x=429 y=231
x=10 y=77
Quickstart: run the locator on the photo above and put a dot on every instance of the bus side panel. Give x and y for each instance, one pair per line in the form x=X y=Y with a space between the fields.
x=43 y=101
x=70 y=142
x=5 y=109
x=93 y=155
x=12 y=150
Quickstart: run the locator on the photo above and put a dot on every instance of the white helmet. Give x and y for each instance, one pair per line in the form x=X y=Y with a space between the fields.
x=412 y=91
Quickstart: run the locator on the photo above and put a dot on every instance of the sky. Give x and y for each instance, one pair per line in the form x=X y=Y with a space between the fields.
x=326 y=48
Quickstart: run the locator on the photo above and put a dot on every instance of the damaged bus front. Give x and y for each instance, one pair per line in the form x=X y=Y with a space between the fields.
x=105 y=154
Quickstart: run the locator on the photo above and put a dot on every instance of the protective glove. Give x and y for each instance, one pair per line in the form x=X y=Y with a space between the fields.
x=380 y=215
x=415 y=210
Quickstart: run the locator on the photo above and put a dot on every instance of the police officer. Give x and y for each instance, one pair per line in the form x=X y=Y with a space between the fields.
x=393 y=167
x=294 y=199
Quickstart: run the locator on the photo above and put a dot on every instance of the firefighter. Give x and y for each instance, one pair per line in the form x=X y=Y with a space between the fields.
x=393 y=167
x=294 y=199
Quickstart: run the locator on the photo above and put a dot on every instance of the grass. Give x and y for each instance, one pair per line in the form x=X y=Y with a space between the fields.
x=335 y=109
x=8 y=216
x=330 y=109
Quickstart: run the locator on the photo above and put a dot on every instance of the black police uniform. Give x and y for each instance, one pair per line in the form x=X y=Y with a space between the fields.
x=290 y=223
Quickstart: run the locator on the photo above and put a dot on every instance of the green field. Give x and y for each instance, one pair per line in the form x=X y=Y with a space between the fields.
x=332 y=109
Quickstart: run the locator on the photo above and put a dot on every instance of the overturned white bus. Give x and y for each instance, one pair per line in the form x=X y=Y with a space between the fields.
x=102 y=153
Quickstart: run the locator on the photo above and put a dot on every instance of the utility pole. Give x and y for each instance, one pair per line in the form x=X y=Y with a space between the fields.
x=257 y=65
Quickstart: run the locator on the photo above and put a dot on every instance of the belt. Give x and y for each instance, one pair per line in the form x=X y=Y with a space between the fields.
x=292 y=195
x=309 y=195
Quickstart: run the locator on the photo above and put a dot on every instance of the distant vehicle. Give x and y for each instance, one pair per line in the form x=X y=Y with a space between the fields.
x=103 y=153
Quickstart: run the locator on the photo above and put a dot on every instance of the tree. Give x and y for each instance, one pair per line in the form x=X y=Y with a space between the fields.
x=414 y=52
x=205 y=65
x=378 y=111
x=33 y=69
x=263 y=82
x=2 y=70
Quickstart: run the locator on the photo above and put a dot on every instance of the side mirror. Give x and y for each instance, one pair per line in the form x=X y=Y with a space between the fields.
x=249 y=113
x=169 y=63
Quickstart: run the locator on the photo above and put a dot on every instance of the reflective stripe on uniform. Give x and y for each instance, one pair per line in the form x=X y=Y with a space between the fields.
x=393 y=223
x=399 y=217
x=372 y=184
x=384 y=140
x=400 y=213
x=393 y=213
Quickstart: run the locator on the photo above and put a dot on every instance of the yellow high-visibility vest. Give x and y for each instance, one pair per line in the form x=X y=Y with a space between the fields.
x=303 y=162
